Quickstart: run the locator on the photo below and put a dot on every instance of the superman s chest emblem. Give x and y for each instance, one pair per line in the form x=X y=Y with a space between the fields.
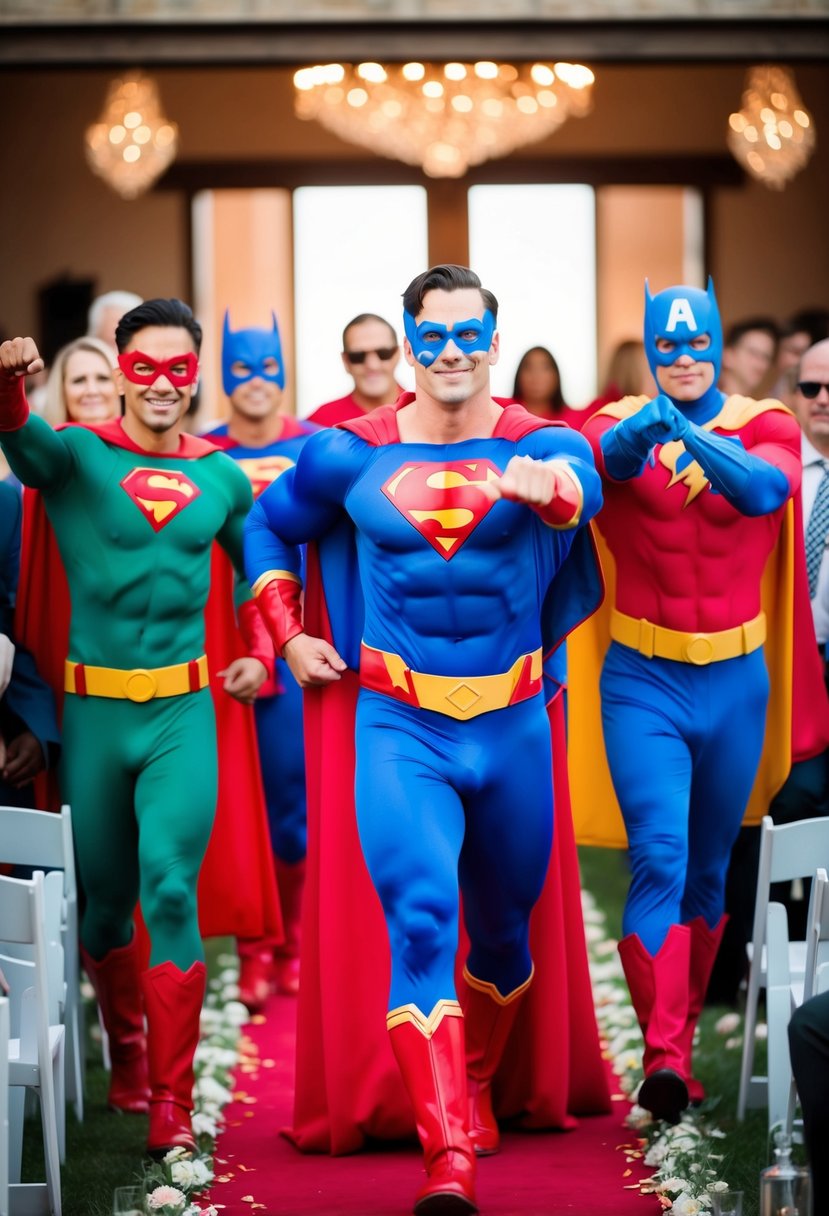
x=160 y=494
x=443 y=501
x=261 y=471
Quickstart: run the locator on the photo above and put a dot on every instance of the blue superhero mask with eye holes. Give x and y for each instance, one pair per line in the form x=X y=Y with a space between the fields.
x=429 y=338
x=681 y=314
x=254 y=348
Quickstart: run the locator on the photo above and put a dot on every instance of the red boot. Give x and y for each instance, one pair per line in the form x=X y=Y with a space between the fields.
x=488 y=1019
x=173 y=1000
x=705 y=943
x=291 y=882
x=116 y=979
x=256 y=973
x=659 y=989
x=434 y=1073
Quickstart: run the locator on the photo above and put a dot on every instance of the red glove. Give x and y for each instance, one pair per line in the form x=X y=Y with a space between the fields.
x=14 y=408
x=280 y=602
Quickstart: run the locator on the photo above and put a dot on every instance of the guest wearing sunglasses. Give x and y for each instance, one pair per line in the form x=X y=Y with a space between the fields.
x=810 y=403
x=805 y=793
x=370 y=355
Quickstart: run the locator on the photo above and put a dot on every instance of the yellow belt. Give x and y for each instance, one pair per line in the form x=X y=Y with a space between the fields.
x=139 y=684
x=460 y=697
x=654 y=641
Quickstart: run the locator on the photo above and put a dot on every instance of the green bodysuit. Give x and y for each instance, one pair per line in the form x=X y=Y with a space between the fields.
x=135 y=532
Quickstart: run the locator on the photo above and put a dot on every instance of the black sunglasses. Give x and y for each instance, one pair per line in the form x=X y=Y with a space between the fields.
x=811 y=388
x=384 y=353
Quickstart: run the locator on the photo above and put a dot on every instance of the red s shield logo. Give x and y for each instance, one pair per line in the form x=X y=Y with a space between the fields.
x=261 y=471
x=160 y=494
x=443 y=501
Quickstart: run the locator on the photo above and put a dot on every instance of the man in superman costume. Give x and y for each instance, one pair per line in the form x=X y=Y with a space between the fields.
x=472 y=560
x=265 y=443
x=135 y=505
x=698 y=491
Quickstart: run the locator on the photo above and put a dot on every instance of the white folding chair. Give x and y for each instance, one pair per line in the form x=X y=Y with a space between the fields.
x=816 y=971
x=4 y=1106
x=787 y=852
x=35 y=1055
x=44 y=840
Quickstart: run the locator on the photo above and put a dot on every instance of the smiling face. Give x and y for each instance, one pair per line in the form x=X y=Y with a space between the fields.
x=160 y=405
x=455 y=375
x=377 y=355
x=686 y=379
x=259 y=397
x=89 y=392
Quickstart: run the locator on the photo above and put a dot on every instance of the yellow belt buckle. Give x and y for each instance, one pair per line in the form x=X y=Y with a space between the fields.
x=699 y=650
x=140 y=685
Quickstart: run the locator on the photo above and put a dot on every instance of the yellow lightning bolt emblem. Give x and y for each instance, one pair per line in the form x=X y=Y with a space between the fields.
x=691 y=475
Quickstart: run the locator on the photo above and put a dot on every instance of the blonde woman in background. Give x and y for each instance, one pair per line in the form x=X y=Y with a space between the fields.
x=81 y=387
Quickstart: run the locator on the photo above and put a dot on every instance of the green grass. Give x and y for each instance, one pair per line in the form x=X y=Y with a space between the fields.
x=106 y=1151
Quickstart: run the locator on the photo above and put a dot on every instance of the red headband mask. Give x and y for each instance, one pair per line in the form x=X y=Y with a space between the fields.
x=160 y=367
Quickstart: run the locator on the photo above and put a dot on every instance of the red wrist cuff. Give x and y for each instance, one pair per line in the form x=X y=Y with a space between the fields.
x=280 y=602
x=564 y=508
x=14 y=408
x=257 y=640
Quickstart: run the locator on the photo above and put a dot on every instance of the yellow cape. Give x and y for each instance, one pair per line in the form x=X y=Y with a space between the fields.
x=596 y=814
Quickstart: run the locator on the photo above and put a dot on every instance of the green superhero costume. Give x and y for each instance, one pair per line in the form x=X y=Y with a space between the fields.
x=135 y=531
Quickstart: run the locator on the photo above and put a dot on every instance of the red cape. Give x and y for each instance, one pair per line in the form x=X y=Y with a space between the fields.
x=348 y=1086
x=237 y=891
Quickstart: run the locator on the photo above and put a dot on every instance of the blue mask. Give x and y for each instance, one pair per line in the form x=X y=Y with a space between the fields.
x=251 y=347
x=429 y=338
x=681 y=314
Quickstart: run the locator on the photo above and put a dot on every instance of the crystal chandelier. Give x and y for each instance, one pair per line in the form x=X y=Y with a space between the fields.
x=773 y=135
x=133 y=143
x=443 y=117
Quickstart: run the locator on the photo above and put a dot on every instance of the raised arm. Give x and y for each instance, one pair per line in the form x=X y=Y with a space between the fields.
x=756 y=479
x=557 y=479
x=37 y=455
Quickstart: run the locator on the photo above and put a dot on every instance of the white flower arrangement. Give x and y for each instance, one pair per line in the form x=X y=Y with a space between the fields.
x=685 y=1167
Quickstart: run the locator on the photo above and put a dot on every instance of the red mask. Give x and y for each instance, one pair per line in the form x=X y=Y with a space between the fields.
x=160 y=367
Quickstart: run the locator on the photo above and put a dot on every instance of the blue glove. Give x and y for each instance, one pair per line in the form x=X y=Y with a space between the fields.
x=626 y=446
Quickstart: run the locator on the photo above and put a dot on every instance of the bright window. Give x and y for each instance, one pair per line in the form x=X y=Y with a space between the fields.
x=534 y=246
x=356 y=248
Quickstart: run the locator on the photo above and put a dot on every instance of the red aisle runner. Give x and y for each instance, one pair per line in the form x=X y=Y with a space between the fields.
x=535 y=1174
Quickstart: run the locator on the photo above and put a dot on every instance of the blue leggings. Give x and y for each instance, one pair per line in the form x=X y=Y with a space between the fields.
x=443 y=804
x=683 y=744
x=282 y=760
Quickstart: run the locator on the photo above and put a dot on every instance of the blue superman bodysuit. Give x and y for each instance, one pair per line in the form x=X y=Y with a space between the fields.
x=461 y=597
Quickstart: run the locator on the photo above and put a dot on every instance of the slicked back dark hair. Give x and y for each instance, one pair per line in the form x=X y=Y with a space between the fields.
x=445 y=278
x=362 y=317
x=172 y=313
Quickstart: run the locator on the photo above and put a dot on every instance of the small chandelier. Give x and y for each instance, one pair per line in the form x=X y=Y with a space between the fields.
x=773 y=135
x=133 y=143
x=443 y=117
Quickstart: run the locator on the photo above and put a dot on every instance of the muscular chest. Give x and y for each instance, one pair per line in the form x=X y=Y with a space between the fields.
x=435 y=510
x=129 y=504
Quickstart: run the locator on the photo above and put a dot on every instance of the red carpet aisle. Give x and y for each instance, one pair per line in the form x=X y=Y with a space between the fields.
x=540 y=1174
